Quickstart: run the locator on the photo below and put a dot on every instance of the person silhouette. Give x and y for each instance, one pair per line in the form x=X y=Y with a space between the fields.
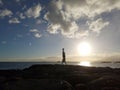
x=63 y=56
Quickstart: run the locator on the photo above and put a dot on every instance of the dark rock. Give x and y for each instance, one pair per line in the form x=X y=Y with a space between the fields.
x=110 y=88
x=81 y=87
x=2 y=79
x=105 y=81
x=38 y=84
x=56 y=77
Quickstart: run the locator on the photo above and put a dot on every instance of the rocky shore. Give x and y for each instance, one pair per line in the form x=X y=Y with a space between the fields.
x=60 y=77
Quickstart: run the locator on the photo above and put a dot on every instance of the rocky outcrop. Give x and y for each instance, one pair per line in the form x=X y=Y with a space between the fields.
x=60 y=77
x=37 y=84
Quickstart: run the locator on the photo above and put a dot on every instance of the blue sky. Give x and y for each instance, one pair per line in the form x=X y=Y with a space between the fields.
x=41 y=28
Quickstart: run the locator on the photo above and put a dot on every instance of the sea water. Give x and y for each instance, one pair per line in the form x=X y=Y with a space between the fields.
x=22 y=65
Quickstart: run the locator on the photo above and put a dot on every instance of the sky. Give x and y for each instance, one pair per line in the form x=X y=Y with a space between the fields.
x=39 y=29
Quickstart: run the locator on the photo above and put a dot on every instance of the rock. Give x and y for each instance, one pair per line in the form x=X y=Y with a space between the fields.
x=38 y=84
x=2 y=79
x=81 y=87
x=110 y=88
x=105 y=81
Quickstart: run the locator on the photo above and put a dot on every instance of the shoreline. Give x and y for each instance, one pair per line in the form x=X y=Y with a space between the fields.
x=74 y=76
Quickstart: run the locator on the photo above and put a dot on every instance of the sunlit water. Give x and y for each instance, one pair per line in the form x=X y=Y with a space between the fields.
x=85 y=63
x=22 y=65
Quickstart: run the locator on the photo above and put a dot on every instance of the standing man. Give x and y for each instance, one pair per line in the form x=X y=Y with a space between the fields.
x=63 y=57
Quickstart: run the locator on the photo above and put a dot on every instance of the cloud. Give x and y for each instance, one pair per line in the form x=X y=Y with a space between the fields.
x=19 y=36
x=24 y=7
x=5 y=12
x=82 y=33
x=1 y=3
x=58 y=22
x=34 y=30
x=33 y=11
x=14 y=20
x=22 y=16
x=36 y=33
x=38 y=21
x=4 y=42
x=17 y=0
x=63 y=15
x=89 y=8
x=98 y=25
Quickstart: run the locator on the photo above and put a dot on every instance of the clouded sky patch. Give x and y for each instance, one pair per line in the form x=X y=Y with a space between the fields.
x=62 y=23
x=5 y=12
x=36 y=33
x=34 y=11
x=1 y=3
x=14 y=20
x=97 y=25
x=64 y=16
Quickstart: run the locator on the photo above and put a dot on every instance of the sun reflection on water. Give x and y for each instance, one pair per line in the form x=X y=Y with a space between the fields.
x=85 y=63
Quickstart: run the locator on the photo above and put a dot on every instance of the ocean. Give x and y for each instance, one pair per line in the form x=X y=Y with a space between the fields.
x=22 y=65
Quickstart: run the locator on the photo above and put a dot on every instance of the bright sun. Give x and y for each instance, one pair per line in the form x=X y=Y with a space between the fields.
x=84 y=49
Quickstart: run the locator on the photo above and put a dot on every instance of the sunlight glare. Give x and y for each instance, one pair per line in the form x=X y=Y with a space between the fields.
x=84 y=49
x=84 y=63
